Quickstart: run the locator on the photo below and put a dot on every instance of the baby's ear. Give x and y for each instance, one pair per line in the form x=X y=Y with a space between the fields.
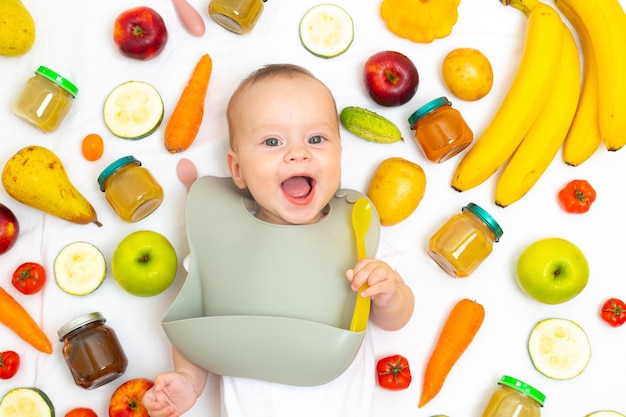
x=232 y=161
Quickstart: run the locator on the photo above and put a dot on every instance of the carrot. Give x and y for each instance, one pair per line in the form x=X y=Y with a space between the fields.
x=16 y=318
x=184 y=123
x=457 y=333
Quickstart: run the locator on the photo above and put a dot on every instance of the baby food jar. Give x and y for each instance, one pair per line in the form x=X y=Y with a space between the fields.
x=464 y=241
x=130 y=189
x=440 y=130
x=238 y=16
x=92 y=351
x=514 y=398
x=45 y=100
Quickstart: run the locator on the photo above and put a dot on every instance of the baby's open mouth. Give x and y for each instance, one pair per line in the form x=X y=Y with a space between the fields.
x=298 y=187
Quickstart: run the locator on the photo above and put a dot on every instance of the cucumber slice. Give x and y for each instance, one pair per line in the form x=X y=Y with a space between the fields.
x=79 y=268
x=605 y=413
x=559 y=348
x=133 y=110
x=326 y=30
x=26 y=402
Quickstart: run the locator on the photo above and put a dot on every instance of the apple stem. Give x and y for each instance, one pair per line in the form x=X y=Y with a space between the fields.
x=391 y=77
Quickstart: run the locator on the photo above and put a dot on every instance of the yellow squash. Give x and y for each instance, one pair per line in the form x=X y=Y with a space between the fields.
x=421 y=21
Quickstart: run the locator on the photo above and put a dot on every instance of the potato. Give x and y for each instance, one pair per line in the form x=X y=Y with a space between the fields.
x=467 y=73
x=396 y=189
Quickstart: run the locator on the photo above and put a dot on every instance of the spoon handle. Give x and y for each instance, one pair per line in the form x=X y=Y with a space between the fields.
x=362 y=304
x=190 y=17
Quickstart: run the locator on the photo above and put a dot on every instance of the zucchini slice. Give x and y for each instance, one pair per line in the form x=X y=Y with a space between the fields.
x=133 y=110
x=26 y=402
x=326 y=30
x=605 y=413
x=79 y=268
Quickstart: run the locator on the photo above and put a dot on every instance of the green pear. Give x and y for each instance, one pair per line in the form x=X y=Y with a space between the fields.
x=35 y=176
x=17 y=28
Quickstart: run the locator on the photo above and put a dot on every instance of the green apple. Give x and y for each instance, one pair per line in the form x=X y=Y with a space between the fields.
x=144 y=263
x=552 y=270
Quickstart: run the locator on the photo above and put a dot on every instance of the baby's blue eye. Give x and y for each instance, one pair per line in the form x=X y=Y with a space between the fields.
x=272 y=142
x=316 y=140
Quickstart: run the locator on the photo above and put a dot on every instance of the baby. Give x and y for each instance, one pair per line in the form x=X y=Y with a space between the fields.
x=285 y=149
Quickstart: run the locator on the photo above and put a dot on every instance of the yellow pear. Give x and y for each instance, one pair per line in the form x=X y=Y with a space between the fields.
x=35 y=176
x=17 y=28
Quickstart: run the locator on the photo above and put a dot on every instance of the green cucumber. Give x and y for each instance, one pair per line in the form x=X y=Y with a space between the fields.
x=26 y=402
x=369 y=125
x=79 y=268
x=133 y=110
x=326 y=30
x=559 y=348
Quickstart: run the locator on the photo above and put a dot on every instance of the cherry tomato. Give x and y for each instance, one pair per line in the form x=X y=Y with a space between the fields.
x=9 y=364
x=614 y=312
x=577 y=196
x=81 y=412
x=29 y=278
x=394 y=372
x=92 y=147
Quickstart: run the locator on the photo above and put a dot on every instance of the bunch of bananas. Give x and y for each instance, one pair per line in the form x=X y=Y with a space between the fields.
x=547 y=107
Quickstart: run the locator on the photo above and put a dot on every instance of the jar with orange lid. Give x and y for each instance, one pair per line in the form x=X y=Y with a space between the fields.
x=130 y=189
x=464 y=241
x=238 y=16
x=440 y=130
x=514 y=398
x=45 y=99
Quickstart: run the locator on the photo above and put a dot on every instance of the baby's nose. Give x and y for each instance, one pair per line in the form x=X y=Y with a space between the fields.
x=298 y=153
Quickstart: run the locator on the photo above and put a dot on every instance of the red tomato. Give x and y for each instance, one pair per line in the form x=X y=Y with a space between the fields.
x=614 y=312
x=29 y=278
x=92 y=147
x=577 y=196
x=9 y=364
x=394 y=372
x=81 y=412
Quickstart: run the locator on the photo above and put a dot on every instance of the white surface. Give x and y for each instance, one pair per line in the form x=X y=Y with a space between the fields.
x=74 y=39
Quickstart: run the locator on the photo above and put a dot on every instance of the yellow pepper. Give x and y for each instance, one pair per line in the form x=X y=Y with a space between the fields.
x=420 y=20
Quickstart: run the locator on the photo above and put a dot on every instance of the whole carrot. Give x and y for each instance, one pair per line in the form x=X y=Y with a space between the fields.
x=457 y=333
x=16 y=318
x=184 y=123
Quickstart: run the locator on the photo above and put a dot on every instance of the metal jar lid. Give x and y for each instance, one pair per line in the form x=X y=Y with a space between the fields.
x=427 y=108
x=486 y=218
x=524 y=388
x=58 y=80
x=79 y=322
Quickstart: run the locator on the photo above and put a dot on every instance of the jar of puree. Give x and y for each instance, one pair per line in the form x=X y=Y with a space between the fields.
x=45 y=100
x=514 y=398
x=130 y=189
x=92 y=351
x=440 y=130
x=464 y=241
x=238 y=16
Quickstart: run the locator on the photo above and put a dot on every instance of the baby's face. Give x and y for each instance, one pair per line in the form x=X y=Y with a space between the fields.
x=287 y=148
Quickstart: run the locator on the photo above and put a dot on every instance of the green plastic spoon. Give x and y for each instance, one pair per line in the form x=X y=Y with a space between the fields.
x=361 y=219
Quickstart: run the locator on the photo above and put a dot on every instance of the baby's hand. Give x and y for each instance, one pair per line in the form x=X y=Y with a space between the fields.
x=171 y=395
x=382 y=280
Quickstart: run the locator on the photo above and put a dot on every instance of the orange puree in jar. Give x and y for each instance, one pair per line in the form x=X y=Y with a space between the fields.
x=464 y=241
x=440 y=130
x=130 y=189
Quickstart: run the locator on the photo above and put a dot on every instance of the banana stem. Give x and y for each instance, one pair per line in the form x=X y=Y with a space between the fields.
x=524 y=6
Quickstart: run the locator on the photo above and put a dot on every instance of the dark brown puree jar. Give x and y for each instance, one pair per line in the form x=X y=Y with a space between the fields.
x=92 y=351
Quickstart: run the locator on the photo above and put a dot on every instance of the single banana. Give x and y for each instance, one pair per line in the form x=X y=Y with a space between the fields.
x=583 y=138
x=369 y=125
x=605 y=22
x=547 y=134
x=523 y=101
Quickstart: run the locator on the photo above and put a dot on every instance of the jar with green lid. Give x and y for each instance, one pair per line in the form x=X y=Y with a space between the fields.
x=440 y=130
x=514 y=398
x=45 y=99
x=92 y=351
x=464 y=241
x=130 y=189
x=238 y=16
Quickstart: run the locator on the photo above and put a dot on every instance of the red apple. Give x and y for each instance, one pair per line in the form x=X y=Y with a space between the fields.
x=126 y=400
x=140 y=33
x=391 y=78
x=9 y=229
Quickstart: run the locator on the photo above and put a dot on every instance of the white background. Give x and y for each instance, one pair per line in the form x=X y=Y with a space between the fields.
x=74 y=38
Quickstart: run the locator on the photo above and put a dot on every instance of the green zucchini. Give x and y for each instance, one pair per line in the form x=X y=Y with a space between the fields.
x=26 y=402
